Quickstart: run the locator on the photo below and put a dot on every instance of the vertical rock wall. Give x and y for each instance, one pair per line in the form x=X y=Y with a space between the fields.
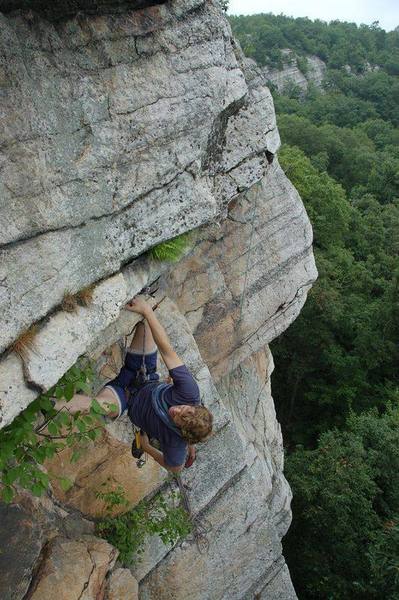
x=122 y=126
x=291 y=75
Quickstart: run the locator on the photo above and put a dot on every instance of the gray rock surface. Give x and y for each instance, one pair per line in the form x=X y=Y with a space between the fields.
x=122 y=586
x=74 y=569
x=107 y=129
x=21 y=545
x=26 y=529
x=248 y=279
x=246 y=393
x=238 y=518
x=58 y=9
x=15 y=394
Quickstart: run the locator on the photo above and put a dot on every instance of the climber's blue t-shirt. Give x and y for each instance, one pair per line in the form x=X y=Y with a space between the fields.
x=184 y=390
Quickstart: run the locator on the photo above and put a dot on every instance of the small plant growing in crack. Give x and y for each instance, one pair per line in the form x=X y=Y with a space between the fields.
x=162 y=516
x=171 y=250
x=85 y=296
x=25 y=342
x=112 y=497
x=69 y=302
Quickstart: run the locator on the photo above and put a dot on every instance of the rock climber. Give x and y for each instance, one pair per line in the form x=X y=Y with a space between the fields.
x=169 y=412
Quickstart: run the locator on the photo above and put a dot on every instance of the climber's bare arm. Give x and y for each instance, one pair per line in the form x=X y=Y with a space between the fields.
x=170 y=357
x=157 y=455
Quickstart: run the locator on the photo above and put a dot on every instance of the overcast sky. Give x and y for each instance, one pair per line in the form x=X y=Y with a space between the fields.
x=358 y=11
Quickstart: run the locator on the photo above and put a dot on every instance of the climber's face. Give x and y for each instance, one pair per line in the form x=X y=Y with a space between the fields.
x=178 y=413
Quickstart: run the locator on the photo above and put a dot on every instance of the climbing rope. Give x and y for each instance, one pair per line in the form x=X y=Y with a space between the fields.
x=249 y=252
x=200 y=526
x=244 y=290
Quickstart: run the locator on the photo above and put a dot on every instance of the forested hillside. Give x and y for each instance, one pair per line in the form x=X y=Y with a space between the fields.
x=336 y=384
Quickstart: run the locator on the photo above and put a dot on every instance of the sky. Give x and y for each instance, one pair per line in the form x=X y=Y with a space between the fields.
x=355 y=11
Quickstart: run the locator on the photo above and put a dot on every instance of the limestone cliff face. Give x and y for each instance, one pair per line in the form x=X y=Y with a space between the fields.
x=291 y=74
x=123 y=126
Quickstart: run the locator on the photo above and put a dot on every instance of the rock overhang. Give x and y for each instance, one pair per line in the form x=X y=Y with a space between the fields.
x=62 y=9
x=99 y=166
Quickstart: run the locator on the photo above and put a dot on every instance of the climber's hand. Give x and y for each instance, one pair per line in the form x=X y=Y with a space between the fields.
x=144 y=441
x=191 y=456
x=139 y=306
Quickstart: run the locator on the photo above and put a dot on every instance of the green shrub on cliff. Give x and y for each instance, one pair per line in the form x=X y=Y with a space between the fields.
x=40 y=431
x=129 y=531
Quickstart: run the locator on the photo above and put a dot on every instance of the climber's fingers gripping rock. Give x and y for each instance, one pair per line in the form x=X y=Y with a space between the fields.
x=138 y=305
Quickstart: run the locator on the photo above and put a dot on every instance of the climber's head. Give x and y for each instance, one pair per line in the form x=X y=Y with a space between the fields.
x=195 y=422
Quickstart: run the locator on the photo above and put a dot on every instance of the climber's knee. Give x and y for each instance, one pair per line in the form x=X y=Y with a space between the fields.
x=112 y=396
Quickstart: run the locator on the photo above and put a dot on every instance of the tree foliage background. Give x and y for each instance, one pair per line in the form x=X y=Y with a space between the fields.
x=336 y=382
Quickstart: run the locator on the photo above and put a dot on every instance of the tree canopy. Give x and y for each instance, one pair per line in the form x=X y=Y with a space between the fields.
x=336 y=381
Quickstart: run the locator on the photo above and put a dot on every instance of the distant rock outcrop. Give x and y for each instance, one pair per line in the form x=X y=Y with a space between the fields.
x=310 y=70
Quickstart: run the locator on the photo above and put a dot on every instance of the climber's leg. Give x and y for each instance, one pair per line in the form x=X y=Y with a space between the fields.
x=143 y=341
x=82 y=403
x=143 y=347
x=115 y=391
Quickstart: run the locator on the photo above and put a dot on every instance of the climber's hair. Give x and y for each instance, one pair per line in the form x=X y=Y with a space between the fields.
x=197 y=427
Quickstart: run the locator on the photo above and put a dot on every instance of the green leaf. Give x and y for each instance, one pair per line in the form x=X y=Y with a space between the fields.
x=39 y=454
x=74 y=371
x=76 y=454
x=59 y=392
x=97 y=408
x=37 y=489
x=52 y=427
x=25 y=480
x=63 y=418
x=84 y=387
x=70 y=440
x=65 y=484
x=10 y=476
x=7 y=494
x=44 y=403
x=43 y=478
x=81 y=425
x=50 y=451
x=69 y=391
